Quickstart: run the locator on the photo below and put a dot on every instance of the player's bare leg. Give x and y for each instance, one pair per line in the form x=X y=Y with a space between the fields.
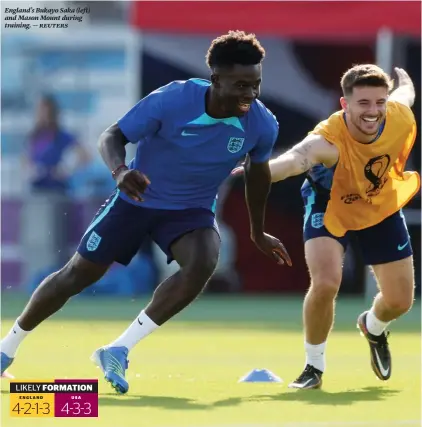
x=324 y=257
x=51 y=295
x=56 y=289
x=197 y=254
x=396 y=284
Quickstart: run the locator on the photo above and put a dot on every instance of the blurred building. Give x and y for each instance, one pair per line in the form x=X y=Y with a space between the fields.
x=124 y=50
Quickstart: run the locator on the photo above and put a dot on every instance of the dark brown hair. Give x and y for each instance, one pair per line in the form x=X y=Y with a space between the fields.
x=364 y=75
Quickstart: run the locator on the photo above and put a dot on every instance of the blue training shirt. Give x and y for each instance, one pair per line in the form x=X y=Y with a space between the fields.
x=185 y=153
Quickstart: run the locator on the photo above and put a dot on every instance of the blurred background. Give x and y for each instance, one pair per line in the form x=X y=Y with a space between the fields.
x=60 y=88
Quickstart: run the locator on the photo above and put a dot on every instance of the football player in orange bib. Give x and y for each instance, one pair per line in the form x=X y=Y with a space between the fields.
x=356 y=183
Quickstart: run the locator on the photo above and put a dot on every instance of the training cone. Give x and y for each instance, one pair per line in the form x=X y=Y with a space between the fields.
x=260 y=376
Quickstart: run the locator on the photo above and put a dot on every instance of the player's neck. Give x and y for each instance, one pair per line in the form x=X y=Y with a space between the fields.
x=213 y=105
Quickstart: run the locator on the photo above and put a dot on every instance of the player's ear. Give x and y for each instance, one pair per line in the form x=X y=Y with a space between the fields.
x=215 y=79
x=343 y=103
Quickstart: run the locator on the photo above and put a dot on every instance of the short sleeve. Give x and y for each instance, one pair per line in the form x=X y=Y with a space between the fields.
x=263 y=149
x=145 y=118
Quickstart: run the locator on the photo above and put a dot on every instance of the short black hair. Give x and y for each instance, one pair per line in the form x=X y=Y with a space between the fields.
x=236 y=47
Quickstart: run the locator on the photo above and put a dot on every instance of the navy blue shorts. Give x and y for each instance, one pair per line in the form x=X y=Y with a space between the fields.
x=119 y=228
x=382 y=243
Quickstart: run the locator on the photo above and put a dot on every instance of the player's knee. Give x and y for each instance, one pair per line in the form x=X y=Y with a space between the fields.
x=399 y=304
x=326 y=285
x=71 y=280
x=398 y=294
x=77 y=275
x=201 y=267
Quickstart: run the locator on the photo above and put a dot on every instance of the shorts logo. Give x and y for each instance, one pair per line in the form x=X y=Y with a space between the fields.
x=235 y=144
x=401 y=247
x=93 y=242
x=317 y=220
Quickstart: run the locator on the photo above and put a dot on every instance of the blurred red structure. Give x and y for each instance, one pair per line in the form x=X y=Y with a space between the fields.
x=316 y=20
x=259 y=273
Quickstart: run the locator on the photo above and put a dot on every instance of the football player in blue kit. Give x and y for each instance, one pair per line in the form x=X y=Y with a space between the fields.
x=189 y=135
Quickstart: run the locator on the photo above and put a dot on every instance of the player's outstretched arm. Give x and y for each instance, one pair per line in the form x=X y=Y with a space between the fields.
x=258 y=184
x=314 y=149
x=405 y=92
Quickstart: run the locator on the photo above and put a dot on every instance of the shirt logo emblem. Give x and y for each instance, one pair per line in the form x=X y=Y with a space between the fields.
x=235 y=144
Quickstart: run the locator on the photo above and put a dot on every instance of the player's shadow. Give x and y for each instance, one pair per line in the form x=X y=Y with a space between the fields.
x=163 y=402
x=317 y=397
x=313 y=397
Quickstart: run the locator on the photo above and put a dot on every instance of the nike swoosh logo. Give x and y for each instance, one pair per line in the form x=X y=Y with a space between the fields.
x=307 y=382
x=384 y=372
x=141 y=323
x=184 y=133
x=401 y=247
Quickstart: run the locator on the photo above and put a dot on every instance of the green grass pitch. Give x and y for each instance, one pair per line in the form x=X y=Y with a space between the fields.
x=186 y=373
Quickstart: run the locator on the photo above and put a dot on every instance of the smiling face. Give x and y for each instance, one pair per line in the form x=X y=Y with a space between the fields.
x=237 y=87
x=365 y=109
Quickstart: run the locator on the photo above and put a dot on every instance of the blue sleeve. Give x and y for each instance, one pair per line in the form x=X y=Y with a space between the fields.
x=263 y=149
x=144 y=118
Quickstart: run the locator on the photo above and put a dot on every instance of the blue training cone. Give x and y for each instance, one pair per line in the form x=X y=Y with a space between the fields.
x=260 y=376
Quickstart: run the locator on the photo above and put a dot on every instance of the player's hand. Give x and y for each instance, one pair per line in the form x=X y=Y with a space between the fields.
x=239 y=170
x=403 y=77
x=273 y=248
x=133 y=183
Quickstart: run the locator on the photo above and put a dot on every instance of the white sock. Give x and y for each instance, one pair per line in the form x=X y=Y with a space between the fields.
x=11 y=341
x=140 y=328
x=315 y=355
x=374 y=325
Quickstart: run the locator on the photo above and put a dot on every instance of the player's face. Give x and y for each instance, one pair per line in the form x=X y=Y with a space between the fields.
x=45 y=114
x=366 y=108
x=237 y=88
